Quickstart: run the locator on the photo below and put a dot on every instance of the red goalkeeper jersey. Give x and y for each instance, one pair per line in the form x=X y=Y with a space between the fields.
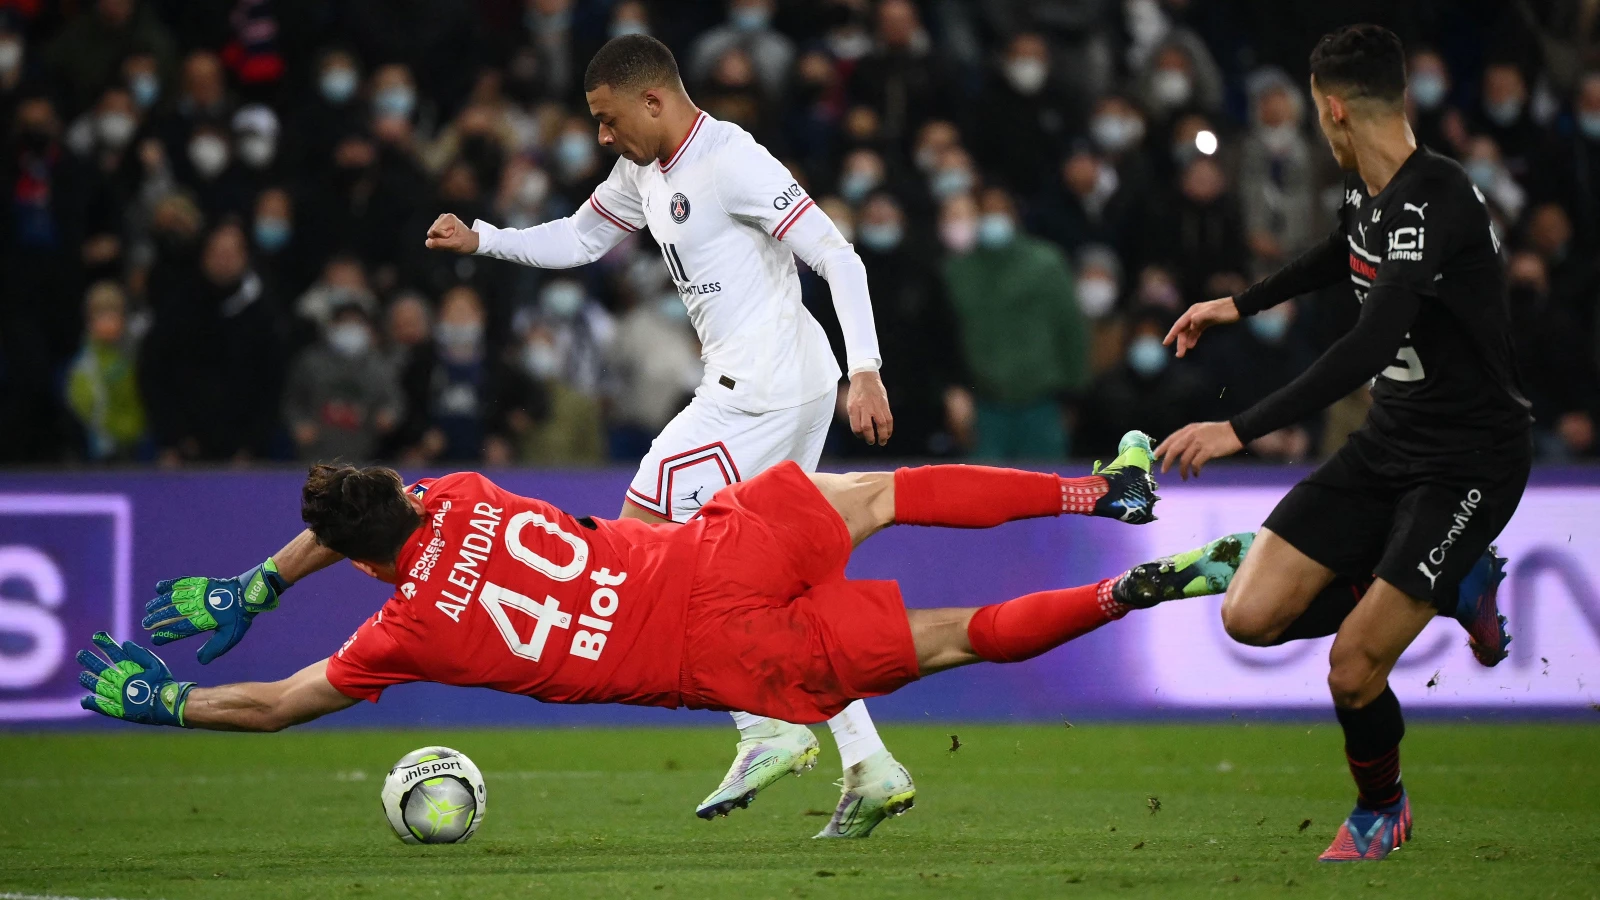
x=511 y=593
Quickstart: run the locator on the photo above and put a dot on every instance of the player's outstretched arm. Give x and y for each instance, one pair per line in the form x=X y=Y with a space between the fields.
x=188 y=606
x=1360 y=355
x=266 y=706
x=131 y=683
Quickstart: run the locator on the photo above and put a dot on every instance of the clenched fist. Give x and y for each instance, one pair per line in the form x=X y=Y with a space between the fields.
x=449 y=233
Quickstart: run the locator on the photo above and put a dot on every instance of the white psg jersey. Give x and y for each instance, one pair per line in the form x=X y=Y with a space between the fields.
x=718 y=208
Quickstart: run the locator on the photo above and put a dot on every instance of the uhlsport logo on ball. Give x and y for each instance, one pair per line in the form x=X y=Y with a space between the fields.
x=434 y=795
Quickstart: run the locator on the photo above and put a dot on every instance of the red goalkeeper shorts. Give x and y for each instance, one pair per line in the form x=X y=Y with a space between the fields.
x=773 y=626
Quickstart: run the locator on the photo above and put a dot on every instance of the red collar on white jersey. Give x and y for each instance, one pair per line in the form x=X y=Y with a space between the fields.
x=687 y=139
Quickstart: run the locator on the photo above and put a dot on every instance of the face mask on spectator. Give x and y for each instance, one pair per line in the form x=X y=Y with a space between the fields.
x=534 y=188
x=349 y=338
x=574 y=153
x=855 y=186
x=881 y=236
x=562 y=300
x=395 y=102
x=114 y=129
x=1485 y=173
x=272 y=233
x=1170 y=87
x=1504 y=112
x=1278 y=139
x=1270 y=325
x=1589 y=125
x=257 y=150
x=145 y=88
x=1428 y=89
x=10 y=56
x=627 y=27
x=460 y=337
x=209 y=154
x=949 y=182
x=1146 y=356
x=541 y=360
x=1027 y=74
x=959 y=235
x=338 y=85
x=750 y=18
x=1115 y=133
x=1096 y=296
x=926 y=158
x=996 y=230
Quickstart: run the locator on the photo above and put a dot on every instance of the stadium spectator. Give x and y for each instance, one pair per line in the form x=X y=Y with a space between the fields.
x=901 y=80
x=1437 y=123
x=341 y=398
x=334 y=135
x=653 y=363
x=1505 y=115
x=210 y=367
x=749 y=30
x=916 y=329
x=89 y=50
x=1180 y=76
x=102 y=383
x=1276 y=175
x=1019 y=325
x=1246 y=364
x=1021 y=129
x=549 y=422
x=1148 y=386
x=1099 y=288
x=1197 y=230
x=14 y=62
x=41 y=240
x=463 y=384
x=1088 y=205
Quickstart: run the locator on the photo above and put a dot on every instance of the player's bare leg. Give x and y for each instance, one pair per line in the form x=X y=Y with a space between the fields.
x=1274 y=587
x=1368 y=645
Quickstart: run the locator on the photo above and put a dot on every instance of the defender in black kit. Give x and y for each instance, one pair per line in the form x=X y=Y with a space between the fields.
x=1397 y=526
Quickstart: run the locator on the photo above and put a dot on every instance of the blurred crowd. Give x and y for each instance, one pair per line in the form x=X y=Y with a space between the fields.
x=213 y=246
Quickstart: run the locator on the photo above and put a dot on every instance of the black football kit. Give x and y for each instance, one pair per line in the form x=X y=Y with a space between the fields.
x=1421 y=489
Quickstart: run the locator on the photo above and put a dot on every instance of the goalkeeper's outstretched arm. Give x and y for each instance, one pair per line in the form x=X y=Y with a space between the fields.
x=265 y=706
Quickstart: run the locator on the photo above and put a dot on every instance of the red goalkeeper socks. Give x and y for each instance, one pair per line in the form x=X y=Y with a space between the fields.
x=1028 y=626
x=985 y=496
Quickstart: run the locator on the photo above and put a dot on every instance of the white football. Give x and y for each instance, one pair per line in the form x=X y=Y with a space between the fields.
x=434 y=795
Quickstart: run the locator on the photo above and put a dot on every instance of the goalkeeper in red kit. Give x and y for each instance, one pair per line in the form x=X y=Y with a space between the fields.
x=746 y=606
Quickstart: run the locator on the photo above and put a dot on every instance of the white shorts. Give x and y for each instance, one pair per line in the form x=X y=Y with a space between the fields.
x=708 y=446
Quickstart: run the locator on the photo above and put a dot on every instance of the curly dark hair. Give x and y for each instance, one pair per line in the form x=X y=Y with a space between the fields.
x=362 y=513
x=1361 y=62
x=631 y=61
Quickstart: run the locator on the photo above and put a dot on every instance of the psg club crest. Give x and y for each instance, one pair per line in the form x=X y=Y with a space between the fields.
x=679 y=207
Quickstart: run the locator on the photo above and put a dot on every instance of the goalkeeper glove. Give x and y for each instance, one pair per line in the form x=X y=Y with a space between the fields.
x=188 y=606
x=135 y=685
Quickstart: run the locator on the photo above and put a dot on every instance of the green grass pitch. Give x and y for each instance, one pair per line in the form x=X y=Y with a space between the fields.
x=1501 y=811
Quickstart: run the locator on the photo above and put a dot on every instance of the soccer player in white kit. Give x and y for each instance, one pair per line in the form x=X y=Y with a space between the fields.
x=729 y=219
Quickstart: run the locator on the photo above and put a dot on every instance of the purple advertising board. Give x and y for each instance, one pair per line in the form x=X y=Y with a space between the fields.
x=80 y=552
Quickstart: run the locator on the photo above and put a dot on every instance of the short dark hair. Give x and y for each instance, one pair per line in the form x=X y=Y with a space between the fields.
x=631 y=60
x=1361 y=62
x=360 y=513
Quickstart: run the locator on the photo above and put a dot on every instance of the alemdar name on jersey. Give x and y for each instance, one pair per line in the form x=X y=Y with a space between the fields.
x=510 y=593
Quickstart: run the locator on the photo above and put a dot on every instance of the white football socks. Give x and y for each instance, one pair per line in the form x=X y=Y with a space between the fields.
x=855 y=734
x=852 y=729
x=746 y=722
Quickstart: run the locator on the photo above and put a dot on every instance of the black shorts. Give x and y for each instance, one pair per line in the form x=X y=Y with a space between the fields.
x=1418 y=524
